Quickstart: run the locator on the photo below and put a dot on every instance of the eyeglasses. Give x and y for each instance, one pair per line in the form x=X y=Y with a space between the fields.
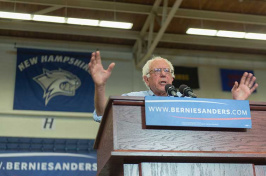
x=158 y=71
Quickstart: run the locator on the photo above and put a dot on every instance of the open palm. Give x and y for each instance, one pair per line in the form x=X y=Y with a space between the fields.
x=98 y=73
x=243 y=90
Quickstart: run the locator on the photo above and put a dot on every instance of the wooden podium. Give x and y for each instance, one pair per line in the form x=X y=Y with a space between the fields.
x=126 y=147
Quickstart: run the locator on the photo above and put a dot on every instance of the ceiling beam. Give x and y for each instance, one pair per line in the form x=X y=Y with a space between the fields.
x=209 y=54
x=91 y=4
x=148 y=24
x=221 y=16
x=47 y=10
x=70 y=45
x=145 y=10
x=17 y=25
x=214 y=41
x=68 y=29
x=177 y=56
x=85 y=46
x=159 y=35
x=150 y=17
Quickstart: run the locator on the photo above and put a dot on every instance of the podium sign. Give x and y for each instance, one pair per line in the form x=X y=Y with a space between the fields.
x=199 y=112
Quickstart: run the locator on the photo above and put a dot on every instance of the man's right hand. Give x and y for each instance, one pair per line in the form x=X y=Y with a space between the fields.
x=100 y=77
x=98 y=73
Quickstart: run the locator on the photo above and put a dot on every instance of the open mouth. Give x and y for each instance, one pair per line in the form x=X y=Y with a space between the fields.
x=163 y=83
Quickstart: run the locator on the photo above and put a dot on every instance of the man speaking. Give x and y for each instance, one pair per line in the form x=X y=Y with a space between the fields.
x=156 y=74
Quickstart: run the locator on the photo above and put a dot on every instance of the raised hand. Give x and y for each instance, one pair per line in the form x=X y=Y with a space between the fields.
x=98 y=73
x=247 y=85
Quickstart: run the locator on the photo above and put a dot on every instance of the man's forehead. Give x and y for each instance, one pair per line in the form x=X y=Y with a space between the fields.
x=159 y=63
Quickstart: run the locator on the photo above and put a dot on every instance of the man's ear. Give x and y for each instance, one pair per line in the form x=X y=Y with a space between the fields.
x=146 y=80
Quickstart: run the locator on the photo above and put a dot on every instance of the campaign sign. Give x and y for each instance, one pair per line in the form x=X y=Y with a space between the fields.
x=48 y=164
x=199 y=112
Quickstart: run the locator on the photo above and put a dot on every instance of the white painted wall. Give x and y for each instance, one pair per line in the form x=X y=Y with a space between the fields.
x=125 y=78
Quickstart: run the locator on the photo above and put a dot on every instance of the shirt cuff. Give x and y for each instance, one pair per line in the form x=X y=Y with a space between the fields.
x=96 y=117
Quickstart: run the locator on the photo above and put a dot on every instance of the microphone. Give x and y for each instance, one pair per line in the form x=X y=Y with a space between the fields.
x=171 y=90
x=187 y=91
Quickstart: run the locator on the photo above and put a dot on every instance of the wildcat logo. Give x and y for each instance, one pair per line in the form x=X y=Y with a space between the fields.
x=57 y=82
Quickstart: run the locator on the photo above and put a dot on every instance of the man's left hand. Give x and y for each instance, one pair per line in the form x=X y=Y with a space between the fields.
x=247 y=85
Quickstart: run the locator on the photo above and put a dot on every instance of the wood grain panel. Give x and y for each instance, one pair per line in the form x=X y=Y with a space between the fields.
x=131 y=170
x=129 y=119
x=131 y=135
x=106 y=142
x=260 y=170
x=196 y=169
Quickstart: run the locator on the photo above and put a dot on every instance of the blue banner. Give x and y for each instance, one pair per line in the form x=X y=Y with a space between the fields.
x=50 y=80
x=48 y=164
x=199 y=112
x=229 y=77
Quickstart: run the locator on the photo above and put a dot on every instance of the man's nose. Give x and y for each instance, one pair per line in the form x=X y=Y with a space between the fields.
x=162 y=73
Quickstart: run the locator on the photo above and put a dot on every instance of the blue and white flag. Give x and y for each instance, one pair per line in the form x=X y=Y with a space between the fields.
x=48 y=164
x=50 y=80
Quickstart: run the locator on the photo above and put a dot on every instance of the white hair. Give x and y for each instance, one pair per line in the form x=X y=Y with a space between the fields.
x=146 y=67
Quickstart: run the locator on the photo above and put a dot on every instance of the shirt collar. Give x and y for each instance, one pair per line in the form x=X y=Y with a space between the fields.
x=151 y=93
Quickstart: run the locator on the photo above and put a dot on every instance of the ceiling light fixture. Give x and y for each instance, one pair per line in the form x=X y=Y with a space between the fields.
x=57 y=19
x=113 y=24
x=230 y=34
x=256 y=36
x=19 y=16
x=80 y=21
x=46 y=18
x=196 y=31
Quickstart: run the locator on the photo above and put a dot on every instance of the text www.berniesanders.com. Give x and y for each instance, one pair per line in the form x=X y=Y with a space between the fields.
x=197 y=110
x=48 y=166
